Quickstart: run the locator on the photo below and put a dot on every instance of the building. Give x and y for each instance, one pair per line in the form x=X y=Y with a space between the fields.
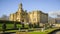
x=38 y=17
x=20 y=15
x=57 y=20
x=51 y=20
x=35 y=16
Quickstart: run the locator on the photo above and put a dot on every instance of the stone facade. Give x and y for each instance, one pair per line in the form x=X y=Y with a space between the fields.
x=38 y=17
x=57 y=20
x=35 y=16
x=11 y=17
x=51 y=20
x=20 y=15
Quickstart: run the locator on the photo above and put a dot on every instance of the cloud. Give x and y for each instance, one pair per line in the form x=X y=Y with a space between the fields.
x=54 y=13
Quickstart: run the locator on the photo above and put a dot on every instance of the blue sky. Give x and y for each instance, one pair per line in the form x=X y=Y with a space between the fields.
x=11 y=6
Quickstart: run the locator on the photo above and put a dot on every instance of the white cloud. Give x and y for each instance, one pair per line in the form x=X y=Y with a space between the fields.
x=54 y=13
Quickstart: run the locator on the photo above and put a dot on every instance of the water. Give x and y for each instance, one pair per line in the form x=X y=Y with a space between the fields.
x=57 y=32
x=8 y=33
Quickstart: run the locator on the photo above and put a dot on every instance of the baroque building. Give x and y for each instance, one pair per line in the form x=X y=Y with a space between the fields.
x=35 y=16
x=38 y=17
x=20 y=15
x=51 y=20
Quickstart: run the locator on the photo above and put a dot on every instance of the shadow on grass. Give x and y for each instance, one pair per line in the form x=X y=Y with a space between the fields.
x=8 y=33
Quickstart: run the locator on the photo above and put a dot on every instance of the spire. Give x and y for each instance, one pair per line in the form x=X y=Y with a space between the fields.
x=20 y=5
x=20 y=9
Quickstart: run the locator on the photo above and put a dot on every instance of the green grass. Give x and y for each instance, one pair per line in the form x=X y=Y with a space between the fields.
x=0 y=26
x=12 y=31
x=44 y=32
x=37 y=33
x=18 y=26
x=9 y=26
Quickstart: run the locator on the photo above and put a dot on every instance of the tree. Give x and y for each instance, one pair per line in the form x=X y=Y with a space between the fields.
x=4 y=17
x=4 y=27
x=38 y=24
x=15 y=25
x=23 y=25
x=30 y=25
x=34 y=25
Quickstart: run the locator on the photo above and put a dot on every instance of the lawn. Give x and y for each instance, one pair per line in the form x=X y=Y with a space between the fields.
x=44 y=32
x=0 y=26
x=34 y=32
x=37 y=33
x=18 y=26
x=9 y=26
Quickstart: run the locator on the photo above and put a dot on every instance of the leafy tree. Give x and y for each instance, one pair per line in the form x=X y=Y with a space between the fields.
x=38 y=24
x=30 y=25
x=34 y=25
x=23 y=25
x=15 y=25
x=4 y=27
x=4 y=17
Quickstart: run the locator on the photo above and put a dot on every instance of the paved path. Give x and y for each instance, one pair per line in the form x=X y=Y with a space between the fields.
x=58 y=32
x=55 y=32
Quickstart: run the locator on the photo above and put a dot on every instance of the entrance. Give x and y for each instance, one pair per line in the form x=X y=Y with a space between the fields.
x=22 y=20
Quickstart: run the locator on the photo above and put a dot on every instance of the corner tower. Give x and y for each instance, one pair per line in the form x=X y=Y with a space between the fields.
x=20 y=9
x=20 y=6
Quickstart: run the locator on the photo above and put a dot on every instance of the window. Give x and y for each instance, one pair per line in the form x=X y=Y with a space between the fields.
x=34 y=19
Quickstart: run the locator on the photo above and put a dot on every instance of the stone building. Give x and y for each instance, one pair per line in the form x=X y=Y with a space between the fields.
x=57 y=20
x=11 y=17
x=38 y=17
x=51 y=20
x=20 y=15
x=35 y=16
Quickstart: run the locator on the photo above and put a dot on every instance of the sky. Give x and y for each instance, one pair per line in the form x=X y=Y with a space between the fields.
x=47 y=6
